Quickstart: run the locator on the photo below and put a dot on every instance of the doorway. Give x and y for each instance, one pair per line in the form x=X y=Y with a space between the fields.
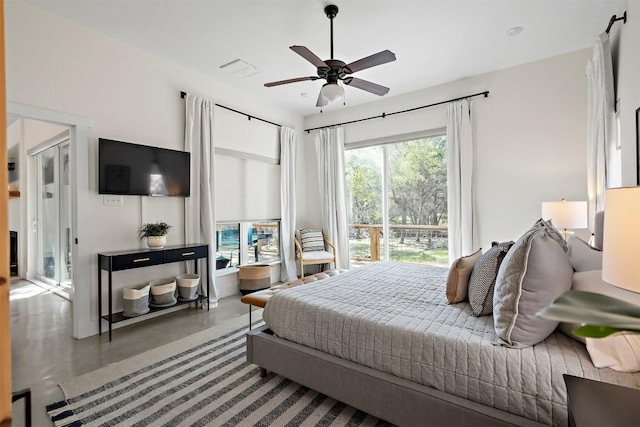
x=76 y=128
x=52 y=223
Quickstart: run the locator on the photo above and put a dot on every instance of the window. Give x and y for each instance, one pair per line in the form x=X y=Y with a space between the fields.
x=397 y=196
x=241 y=243
x=228 y=245
x=263 y=241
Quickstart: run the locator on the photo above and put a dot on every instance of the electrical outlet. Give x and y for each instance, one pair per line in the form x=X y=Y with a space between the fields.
x=112 y=200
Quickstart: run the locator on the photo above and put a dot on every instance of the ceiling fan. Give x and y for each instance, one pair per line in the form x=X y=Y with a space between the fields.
x=334 y=70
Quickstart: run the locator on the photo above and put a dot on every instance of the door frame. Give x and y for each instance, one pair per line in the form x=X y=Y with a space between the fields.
x=83 y=324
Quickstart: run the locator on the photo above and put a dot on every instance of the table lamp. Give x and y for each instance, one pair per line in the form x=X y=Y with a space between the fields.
x=621 y=238
x=565 y=214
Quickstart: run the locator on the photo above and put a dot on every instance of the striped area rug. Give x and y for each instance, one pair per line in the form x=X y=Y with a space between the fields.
x=200 y=380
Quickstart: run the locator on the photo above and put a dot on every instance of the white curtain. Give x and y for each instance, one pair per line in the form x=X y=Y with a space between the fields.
x=332 y=197
x=463 y=231
x=287 y=203
x=603 y=157
x=199 y=213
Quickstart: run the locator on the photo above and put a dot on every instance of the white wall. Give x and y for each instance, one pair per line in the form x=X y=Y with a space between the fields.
x=128 y=95
x=530 y=138
x=625 y=39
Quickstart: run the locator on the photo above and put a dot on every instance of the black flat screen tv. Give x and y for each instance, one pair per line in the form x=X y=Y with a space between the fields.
x=140 y=170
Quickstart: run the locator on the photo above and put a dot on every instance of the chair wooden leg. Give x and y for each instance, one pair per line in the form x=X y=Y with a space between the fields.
x=263 y=372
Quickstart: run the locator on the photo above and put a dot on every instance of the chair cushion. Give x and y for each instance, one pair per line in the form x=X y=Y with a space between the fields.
x=311 y=240
x=316 y=255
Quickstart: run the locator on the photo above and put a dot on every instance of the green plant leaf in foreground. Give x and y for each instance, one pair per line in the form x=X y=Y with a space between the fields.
x=602 y=315
x=594 y=331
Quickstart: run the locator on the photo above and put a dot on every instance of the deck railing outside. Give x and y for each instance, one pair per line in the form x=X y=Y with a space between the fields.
x=424 y=244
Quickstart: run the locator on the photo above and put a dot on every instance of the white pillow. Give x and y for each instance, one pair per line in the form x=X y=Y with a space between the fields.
x=620 y=352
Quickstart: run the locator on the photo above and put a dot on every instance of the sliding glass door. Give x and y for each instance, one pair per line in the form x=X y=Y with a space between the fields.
x=53 y=222
x=397 y=195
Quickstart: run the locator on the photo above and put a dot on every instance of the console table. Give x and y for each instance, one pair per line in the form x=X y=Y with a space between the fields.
x=125 y=260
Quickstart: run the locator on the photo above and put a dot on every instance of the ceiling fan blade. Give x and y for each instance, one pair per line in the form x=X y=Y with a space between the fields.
x=322 y=102
x=366 y=85
x=370 y=61
x=309 y=56
x=284 y=82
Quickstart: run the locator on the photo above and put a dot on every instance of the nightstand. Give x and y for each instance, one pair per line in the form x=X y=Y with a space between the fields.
x=599 y=404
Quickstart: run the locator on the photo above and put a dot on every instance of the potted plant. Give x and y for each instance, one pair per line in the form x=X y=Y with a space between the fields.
x=156 y=234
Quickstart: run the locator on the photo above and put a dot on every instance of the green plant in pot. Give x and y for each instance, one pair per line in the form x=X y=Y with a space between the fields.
x=155 y=233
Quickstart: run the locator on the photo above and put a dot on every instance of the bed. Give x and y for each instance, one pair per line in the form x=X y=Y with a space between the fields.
x=384 y=339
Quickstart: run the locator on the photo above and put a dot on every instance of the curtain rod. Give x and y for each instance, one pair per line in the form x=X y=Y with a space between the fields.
x=249 y=116
x=384 y=115
x=614 y=18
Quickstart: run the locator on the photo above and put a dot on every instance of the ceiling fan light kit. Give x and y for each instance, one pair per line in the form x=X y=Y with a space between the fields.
x=332 y=91
x=334 y=70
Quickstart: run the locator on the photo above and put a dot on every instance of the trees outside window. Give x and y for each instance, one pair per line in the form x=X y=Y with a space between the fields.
x=411 y=207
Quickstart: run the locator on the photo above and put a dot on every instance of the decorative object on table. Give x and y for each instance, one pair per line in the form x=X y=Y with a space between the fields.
x=135 y=300
x=187 y=286
x=600 y=314
x=155 y=233
x=254 y=277
x=163 y=293
x=565 y=215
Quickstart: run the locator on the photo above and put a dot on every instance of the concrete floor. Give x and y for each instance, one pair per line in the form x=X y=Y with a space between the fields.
x=44 y=353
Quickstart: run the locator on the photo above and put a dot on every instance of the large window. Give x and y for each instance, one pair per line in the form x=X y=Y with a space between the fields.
x=241 y=243
x=397 y=196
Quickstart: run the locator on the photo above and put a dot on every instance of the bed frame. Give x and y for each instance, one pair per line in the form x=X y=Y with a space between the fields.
x=385 y=396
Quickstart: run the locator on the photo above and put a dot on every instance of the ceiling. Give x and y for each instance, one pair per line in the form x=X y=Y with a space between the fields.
x=435 y=41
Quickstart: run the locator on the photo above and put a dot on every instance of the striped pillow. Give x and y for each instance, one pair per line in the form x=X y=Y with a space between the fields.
x=311 y=240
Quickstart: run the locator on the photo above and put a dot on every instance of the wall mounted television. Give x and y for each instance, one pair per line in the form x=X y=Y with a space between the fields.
x=141 y=170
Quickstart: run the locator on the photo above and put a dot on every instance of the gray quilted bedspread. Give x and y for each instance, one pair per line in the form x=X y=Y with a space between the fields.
x=394 y=317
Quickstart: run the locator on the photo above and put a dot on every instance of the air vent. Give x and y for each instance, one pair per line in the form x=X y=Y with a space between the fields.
x=241 y=69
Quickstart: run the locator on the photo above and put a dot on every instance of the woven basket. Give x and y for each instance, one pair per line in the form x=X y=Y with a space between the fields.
x=254 y=277
x=135 y=300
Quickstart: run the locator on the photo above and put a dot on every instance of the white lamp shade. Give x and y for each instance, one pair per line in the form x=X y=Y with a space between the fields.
x=621 y=238
x=565 y=214
x=332 y=91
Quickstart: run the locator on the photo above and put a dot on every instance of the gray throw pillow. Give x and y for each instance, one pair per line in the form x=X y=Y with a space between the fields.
x=483 y=278
x=582 y=256
x=534 y=273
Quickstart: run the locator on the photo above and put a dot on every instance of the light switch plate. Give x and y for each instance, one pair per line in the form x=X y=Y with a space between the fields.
x=112 y=200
